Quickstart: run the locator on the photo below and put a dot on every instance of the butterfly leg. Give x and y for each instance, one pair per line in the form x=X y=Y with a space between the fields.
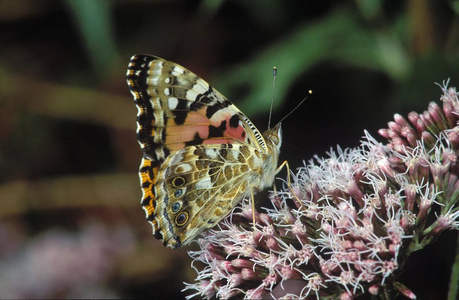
x=285 y=163
x=253 y=207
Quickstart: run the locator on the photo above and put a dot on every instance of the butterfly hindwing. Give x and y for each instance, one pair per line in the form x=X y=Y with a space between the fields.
x=200 y=185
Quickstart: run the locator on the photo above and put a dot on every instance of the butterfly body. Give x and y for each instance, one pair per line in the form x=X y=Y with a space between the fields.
x=201 y=154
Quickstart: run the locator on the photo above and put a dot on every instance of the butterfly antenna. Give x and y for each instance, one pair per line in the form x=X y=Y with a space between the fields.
x=296 y=107
x=272 y=97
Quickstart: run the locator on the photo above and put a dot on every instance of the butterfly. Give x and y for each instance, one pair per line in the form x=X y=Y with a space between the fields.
x=201 y=154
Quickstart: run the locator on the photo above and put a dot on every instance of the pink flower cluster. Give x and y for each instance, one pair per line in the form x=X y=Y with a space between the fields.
x=346 y=223
x=59 y=264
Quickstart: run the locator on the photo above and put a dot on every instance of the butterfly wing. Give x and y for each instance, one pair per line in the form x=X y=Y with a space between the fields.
x=202 y=184
x=179 y=113
x=176 y=108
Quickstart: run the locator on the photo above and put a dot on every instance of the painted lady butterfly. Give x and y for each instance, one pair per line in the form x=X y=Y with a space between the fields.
x=201 y=154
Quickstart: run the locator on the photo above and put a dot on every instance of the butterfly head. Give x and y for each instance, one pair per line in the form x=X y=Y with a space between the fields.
x=273 y=138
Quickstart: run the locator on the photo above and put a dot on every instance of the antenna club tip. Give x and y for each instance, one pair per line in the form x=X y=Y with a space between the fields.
x=310 y=92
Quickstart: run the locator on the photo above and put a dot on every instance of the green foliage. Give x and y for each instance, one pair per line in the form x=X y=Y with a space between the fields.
x=94 y=19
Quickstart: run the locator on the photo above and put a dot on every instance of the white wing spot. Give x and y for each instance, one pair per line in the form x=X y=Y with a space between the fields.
x=191 y=95
x=167 y=91
x=212 y=153
x=204 y=184
x=152 y=80
x=176 y=71
x=182 y=168
x=159 y=119
x=167 y=80
x=232 y=155
x=172 y=102
x=200 y=88
x=158 y=68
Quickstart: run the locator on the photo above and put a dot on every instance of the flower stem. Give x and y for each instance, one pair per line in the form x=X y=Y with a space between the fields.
x=454 y=281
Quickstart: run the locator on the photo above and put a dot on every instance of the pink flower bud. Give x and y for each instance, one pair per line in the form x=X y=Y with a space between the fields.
x=242 y=263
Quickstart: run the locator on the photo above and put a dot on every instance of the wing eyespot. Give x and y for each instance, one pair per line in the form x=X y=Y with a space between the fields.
x=182 y=219
x=176 y=207
x=178 y=193
x=178 y=182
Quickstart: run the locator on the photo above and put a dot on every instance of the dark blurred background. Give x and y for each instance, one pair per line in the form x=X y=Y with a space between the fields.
x=70 y=221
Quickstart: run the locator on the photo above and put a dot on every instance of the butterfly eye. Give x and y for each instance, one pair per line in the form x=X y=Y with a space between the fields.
x=181 y=219
x=178 y=193
x=275 y=140
x=175 y=207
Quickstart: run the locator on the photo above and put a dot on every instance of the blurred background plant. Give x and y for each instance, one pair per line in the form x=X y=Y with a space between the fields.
x=70 y=220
